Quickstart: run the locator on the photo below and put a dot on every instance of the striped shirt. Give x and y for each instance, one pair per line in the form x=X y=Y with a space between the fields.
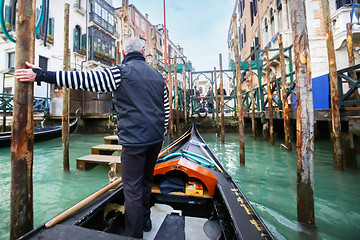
x=105 y=80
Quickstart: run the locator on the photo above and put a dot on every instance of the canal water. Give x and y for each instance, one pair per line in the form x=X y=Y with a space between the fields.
x=268 y=181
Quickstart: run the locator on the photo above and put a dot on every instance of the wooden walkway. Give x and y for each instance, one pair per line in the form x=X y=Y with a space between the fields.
x=101 y=154
x=105 y=149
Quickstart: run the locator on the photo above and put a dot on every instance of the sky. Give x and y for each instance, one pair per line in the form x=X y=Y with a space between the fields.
x=199 y=26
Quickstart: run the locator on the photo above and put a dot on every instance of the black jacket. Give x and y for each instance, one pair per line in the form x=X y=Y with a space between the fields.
x=141 y=96
x=140 y=103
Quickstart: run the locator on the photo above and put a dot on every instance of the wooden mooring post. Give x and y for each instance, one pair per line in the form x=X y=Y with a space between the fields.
x=304 y=115
x=176 y=96
x=285 y=104
x=253 y=128
x=334 y=90
x=350 y=51
x=269 y=97
x=239 y=94
x=22 y=137
x=184 y=85
x=66 y=93
x=216 y=103
x=117 y=54
x=222 y=120
x=349 y=153
x=169 y=81
x=153 y=41
x=124 y=23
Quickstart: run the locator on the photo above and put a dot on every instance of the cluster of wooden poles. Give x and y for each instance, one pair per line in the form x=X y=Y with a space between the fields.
x=23 y=122
x=305 y=110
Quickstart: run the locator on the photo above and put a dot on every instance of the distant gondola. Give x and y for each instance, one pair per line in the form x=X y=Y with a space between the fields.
x=193 y=197
x=40 y=133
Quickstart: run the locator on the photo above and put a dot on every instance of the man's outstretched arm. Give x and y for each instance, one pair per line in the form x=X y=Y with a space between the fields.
x=105 y=80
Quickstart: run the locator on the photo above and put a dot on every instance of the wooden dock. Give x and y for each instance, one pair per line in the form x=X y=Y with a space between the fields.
x=105 y=149
x=101 y=154
x=89 y=161
x=113 y=139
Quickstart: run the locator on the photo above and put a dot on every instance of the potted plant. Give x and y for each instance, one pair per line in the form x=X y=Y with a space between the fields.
x=50 y=39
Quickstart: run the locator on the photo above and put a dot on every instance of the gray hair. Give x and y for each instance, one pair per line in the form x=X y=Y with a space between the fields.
x=133 y=44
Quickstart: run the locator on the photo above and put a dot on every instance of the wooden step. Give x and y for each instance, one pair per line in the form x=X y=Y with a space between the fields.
x=105 y=149
x=111 y=140
x=89 y=161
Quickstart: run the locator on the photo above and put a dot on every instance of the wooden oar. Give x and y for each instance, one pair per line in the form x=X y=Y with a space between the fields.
x=81 y=204
x=173 y=145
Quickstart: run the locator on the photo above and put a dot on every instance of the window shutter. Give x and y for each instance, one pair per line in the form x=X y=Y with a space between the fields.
x=51 y=26
x=83 y=41
x=75 y=40
x=7 y=14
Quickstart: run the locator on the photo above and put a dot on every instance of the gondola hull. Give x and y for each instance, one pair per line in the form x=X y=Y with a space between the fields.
x=204 y=203
x=40 y=133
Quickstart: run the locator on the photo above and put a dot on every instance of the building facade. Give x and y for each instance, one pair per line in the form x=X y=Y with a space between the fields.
x=93 y=35
x=95 y=41
x=259 y=23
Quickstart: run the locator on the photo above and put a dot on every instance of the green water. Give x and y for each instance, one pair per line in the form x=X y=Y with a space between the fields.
x=268 y=181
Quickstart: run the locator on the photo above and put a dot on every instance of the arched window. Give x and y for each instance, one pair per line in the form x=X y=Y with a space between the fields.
x=272 y=24
x=265 y=31
x=77 y=38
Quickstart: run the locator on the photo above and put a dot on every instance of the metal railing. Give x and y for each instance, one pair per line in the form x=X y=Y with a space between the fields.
x=41 y=104
x=348 y=97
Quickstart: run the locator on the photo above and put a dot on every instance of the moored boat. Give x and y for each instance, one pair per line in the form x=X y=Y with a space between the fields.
x=193 y=197
x=42 y=133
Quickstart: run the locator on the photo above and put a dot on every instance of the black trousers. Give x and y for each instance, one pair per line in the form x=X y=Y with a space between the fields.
x=137 y=170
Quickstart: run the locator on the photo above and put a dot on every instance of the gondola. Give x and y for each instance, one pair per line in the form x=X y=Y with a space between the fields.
x=193 y=197
x=42 y=133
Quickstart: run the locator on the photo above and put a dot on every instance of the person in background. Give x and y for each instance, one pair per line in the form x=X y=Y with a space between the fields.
x=197 y=92
x=141 y=100
x=224 y=91
x=210 y=94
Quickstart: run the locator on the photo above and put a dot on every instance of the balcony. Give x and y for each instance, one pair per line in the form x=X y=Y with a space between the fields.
x=79 y=9
x=102 y=22
x=339 y=20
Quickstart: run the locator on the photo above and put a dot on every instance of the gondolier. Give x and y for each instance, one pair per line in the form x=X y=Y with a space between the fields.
x=142 y=106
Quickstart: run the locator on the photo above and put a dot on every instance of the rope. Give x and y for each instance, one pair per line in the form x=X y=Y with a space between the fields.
x=193 y=156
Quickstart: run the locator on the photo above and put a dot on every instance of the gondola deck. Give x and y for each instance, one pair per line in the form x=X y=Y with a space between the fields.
x=204 y=203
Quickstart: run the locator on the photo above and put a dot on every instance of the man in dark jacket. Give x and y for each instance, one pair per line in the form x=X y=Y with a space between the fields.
x=142 y=108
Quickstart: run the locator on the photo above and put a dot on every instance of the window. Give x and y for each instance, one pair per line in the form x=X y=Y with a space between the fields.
x=137 y=23
x=78 y=2
x=104 y=15
x=77 y=38
x=143 y=24
x=43 y=63
x=265 y=33
x=11 y=60
x=341 y=3
x=83 y=42
x=160 y=41
x=253 y=10
x=111 y=19
x=240 y=8
x=98 y=9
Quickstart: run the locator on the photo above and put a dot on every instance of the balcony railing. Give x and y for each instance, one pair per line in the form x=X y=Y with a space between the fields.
x=102 y=22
